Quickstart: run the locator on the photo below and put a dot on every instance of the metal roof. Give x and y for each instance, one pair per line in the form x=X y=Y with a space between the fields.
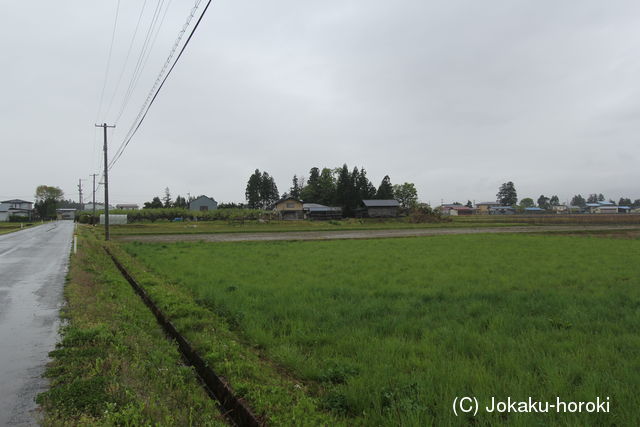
x=533 y=209
x=15 y=201
x=381 y=203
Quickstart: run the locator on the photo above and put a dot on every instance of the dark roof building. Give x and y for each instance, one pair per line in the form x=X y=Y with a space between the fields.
x=381 y=208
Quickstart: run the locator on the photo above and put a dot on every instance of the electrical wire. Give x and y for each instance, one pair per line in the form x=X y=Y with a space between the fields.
x=147 y=105
x=106 y=73
x=137 y=71
x=126 y=60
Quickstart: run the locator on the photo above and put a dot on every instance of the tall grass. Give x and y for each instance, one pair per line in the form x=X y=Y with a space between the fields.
x=391 y=331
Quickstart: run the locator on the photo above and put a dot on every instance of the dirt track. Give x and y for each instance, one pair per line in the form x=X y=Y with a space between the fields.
x=364 y=234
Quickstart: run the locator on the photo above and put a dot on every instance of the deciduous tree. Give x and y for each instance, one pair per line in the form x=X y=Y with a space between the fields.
x=543 y=202
x=527 y=202
x=406 y=194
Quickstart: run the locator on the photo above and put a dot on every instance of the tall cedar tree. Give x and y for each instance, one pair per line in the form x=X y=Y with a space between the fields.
x=310 y=193
x=268 y=191
x=507 y=195
x=344 y=191
x=167 y=202
x=252 y=193
x=385 y=190
x=294 y=191
x=554 y=201
x=364 y=188
x=326 y=194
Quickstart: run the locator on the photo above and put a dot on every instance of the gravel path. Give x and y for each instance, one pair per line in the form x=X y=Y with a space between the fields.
x=363 y=234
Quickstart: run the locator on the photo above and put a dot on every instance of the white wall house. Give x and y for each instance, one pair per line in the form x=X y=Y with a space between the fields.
x=15 y=207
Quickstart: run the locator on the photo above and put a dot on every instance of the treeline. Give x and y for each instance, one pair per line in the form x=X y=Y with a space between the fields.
x=169 y=214
x=578 y=200
x=331 y=187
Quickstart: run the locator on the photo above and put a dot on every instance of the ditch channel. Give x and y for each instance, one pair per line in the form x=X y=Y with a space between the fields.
x=234 y=408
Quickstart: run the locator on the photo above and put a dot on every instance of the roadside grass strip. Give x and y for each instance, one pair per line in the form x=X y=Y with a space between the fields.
x=114 y=365
x=390 y=331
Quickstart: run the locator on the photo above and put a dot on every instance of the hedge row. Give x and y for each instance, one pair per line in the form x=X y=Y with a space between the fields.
x=151 y=215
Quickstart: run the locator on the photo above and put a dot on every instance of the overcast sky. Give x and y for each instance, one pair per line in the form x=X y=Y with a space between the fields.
x=454 y=96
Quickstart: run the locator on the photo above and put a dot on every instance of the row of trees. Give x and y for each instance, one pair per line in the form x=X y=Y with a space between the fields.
x=508 y=196
x=167 y=201
x=332 y=187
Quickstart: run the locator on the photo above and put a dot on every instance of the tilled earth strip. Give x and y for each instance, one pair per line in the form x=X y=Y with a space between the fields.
x=368 y=234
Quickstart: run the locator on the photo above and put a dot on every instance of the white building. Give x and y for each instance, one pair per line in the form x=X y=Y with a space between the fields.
x=15 y=207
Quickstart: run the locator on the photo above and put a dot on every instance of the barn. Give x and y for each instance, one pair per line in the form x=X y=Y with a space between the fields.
x=381 y=208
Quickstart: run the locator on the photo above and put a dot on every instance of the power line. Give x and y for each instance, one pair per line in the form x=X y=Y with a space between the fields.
x=106 y=73
x=145 y=108
x=126 y=60
x=137 y=71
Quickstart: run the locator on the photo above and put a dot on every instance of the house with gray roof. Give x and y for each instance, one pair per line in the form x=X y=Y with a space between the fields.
x=388 y=208
x=15 y=207
x=203 y=203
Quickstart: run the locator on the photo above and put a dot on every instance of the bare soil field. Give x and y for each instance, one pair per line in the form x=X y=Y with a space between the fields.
x=373 y=234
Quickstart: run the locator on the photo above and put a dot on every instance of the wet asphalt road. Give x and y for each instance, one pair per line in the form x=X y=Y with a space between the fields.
x=33 y=265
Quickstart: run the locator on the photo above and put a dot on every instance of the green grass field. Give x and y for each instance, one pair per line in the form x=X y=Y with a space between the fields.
x=389 y=332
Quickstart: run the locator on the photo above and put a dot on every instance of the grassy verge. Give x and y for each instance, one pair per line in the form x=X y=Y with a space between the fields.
x=389 y=332
x=9 y=227
x=114 y=365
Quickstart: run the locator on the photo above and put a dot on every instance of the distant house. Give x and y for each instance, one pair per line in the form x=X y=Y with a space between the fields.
x=455 y=210
x=501 y=210
x=381 y=208
x=560 y=209
x=482 y=208
x=89 y=206
x=203 y=203
x=66 y=214
x=289 y=208
x=624 y=209
x=125 y=206
x=320 y=212
x=15 y=207
x=534 y=211
x=602 y=208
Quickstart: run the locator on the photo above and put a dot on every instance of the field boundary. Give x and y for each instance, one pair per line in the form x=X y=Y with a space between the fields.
x=366 y=234
x=235 y=408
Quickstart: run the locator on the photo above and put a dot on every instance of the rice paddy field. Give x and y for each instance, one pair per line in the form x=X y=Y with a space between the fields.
x=391 y=331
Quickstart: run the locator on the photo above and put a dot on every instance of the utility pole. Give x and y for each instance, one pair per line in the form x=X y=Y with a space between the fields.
x=93 y=217
x=104 y=126
x=80 y=194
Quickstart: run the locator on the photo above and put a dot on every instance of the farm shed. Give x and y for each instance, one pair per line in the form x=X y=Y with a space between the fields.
x=66 y=214
x=501 y=210
x=534 y=211
x=455 y=210
x=381 y=208
x=289 y=208
x=320 y=212
x=482 y=208
x=203 y=203
x=127 y=206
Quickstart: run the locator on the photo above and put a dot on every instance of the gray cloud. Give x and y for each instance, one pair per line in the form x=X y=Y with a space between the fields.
x=457 y=97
